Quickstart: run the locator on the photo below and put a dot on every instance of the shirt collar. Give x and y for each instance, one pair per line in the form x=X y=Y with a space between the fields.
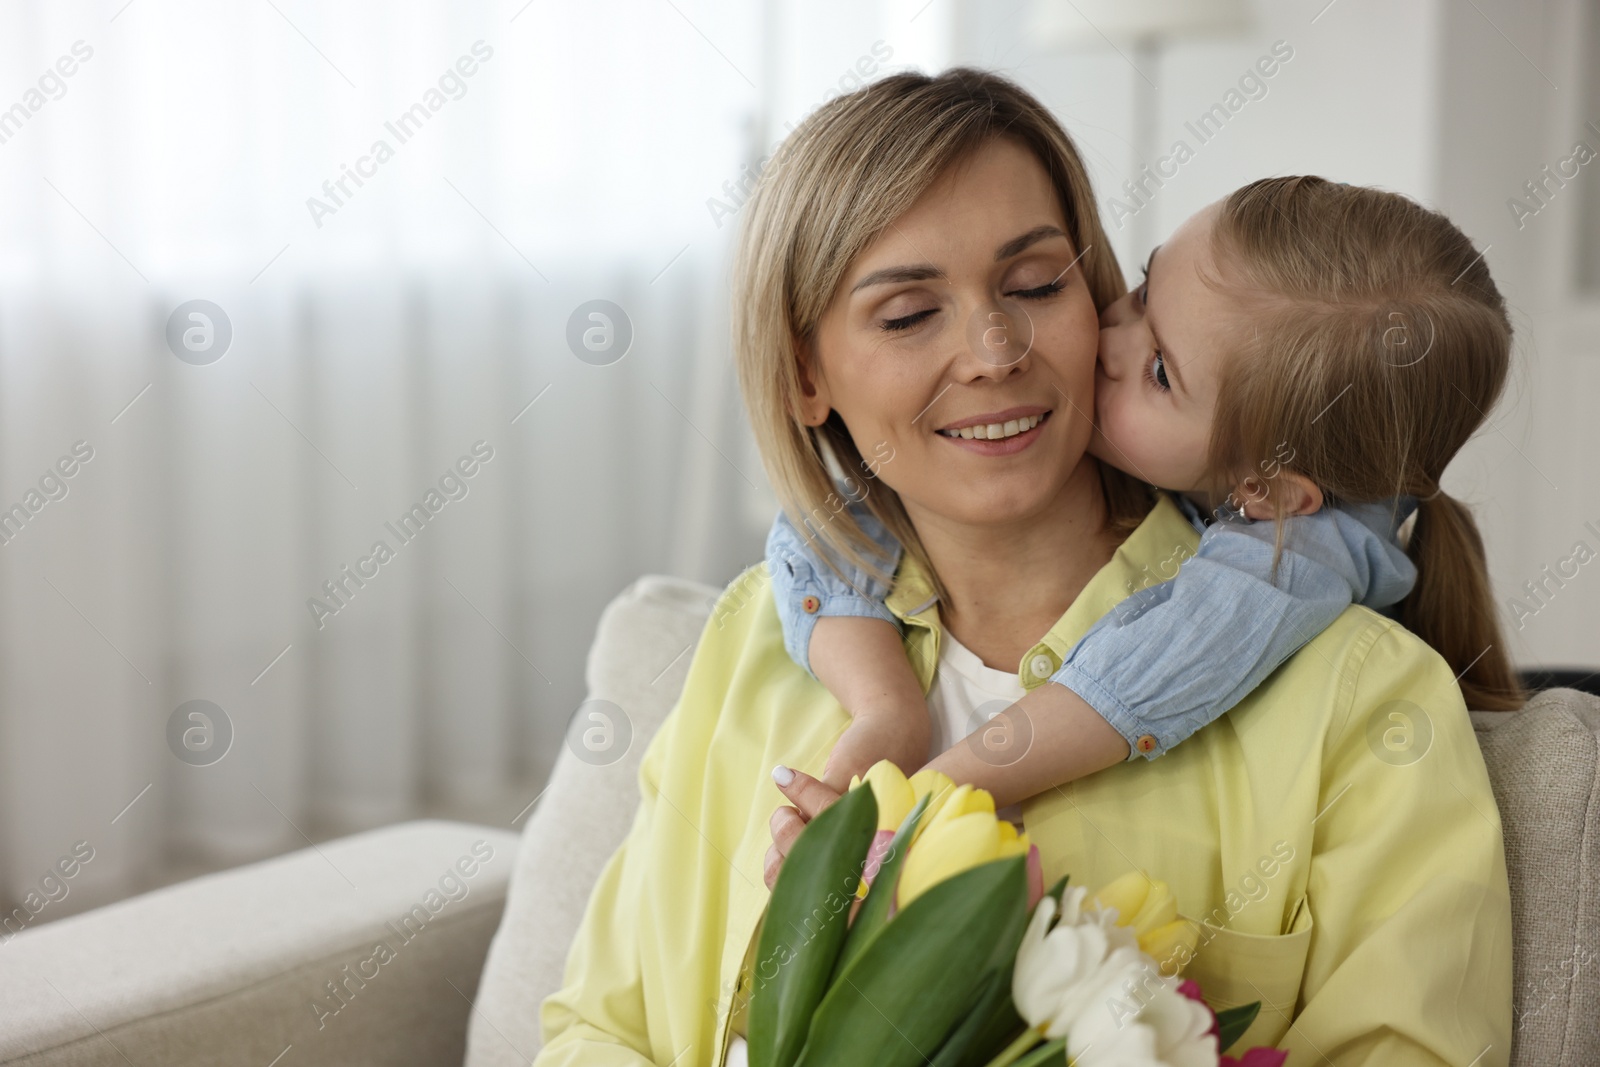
x=1151 y=555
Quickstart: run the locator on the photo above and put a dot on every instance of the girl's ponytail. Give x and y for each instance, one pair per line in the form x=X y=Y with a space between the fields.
x=1450 y=606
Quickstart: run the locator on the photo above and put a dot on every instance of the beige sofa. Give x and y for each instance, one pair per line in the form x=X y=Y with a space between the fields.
x=277 y=964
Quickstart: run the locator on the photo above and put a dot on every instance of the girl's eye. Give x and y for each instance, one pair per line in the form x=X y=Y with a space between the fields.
x=905 y=322
x=1158 y=371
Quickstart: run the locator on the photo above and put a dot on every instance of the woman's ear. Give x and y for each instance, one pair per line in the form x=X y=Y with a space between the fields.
x=815 y=405
x=1300 y=495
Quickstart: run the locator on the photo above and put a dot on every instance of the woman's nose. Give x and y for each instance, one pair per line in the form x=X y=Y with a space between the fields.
x=997 y=340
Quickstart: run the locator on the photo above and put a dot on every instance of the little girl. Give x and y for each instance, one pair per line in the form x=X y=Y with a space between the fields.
x=1333 y=347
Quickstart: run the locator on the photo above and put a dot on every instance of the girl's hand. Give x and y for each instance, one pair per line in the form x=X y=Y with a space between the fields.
x=898 y=735
x=810 y=798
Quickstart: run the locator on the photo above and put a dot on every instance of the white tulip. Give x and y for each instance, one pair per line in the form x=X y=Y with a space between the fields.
x=1073 y=979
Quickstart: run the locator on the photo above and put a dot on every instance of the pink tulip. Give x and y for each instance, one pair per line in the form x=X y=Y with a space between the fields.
x=876 y=854
x=1035 y=876
x=1256 y=1057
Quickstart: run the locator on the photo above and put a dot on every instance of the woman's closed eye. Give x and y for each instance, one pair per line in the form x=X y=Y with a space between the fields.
x=905 y=322
x=1038 y=292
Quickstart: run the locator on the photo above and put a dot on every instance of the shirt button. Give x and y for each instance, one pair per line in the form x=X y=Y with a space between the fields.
x=1042 y=666
x=811 y=604
x=1147 y=743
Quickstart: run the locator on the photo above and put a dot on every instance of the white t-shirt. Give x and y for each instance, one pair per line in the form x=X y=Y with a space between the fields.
x=966 y=693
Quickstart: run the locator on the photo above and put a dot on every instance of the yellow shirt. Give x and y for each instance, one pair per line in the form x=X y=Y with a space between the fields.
x=1335 y=832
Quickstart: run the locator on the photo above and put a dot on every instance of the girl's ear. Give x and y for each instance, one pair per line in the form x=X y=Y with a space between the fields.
x=1300 y=495
x=815 y=404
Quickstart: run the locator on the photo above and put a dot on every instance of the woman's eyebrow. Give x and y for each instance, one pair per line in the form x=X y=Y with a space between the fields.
x=898 y=274
x=1033 y=236
x=924 y=272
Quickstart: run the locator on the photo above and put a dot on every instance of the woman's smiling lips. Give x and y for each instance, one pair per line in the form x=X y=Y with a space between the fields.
x=997 y=433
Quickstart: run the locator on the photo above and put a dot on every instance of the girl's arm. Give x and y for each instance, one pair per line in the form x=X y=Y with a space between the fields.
x=1173 y=657
x=839 y=630
x=863 y=664
x=806 y=590
x=1049 y=737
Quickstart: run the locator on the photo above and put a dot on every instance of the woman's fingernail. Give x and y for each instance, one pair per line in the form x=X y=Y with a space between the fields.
x=782 y=775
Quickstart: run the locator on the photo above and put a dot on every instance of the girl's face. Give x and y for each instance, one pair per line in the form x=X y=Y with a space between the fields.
x=1160 y=351
x=959 y=347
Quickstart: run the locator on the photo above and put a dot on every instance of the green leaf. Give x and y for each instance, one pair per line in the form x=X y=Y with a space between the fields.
x=806 y=921
x=874 y=911
x=990 y=1025
x=993 y=1022
x=1232 y=1023
x=898 y=1000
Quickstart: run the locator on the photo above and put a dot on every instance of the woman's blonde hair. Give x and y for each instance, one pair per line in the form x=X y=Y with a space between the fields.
x=850 y=169
x=1377 y=344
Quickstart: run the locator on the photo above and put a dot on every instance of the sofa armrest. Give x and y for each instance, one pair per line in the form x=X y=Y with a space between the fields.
x=364 y=950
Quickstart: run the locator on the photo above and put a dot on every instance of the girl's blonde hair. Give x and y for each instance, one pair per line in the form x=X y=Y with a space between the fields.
x=850 y=169
x=1379 y=344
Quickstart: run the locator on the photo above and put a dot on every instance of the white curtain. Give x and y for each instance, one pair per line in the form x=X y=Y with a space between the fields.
x=538 y=156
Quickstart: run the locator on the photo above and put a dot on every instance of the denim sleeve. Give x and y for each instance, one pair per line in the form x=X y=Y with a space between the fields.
x=1173 y=657
x=799 y=577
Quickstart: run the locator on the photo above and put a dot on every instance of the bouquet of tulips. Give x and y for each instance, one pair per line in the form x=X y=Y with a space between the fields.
x=910 y=925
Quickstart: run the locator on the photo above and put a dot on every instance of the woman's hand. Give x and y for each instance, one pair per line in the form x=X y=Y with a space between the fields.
x=810 y=797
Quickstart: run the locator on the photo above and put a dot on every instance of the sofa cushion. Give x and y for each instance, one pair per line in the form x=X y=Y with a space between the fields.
x=245 y=965
x=636 y=670
x=1544 y=763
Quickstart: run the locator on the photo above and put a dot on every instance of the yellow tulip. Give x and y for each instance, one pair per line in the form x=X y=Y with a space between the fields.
x=938 y=785
x=962 y=834
x=1147 y=906
x=897 y=795
x=957 y=832
x=1172 y=945
x=892 y=791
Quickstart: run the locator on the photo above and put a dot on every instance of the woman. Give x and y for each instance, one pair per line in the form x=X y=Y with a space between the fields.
x=1360 y=895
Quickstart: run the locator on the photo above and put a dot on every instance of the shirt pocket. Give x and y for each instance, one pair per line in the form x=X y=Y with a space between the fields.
x=1234 y=968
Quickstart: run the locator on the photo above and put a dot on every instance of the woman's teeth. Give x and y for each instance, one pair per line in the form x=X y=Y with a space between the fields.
x=996 y=430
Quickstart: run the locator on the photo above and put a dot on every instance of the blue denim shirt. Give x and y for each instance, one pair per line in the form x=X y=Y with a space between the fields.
x=1183 y=648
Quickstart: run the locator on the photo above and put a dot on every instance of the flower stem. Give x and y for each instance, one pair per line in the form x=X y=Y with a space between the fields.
x=1044 y=1052
x=1026 y=1040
